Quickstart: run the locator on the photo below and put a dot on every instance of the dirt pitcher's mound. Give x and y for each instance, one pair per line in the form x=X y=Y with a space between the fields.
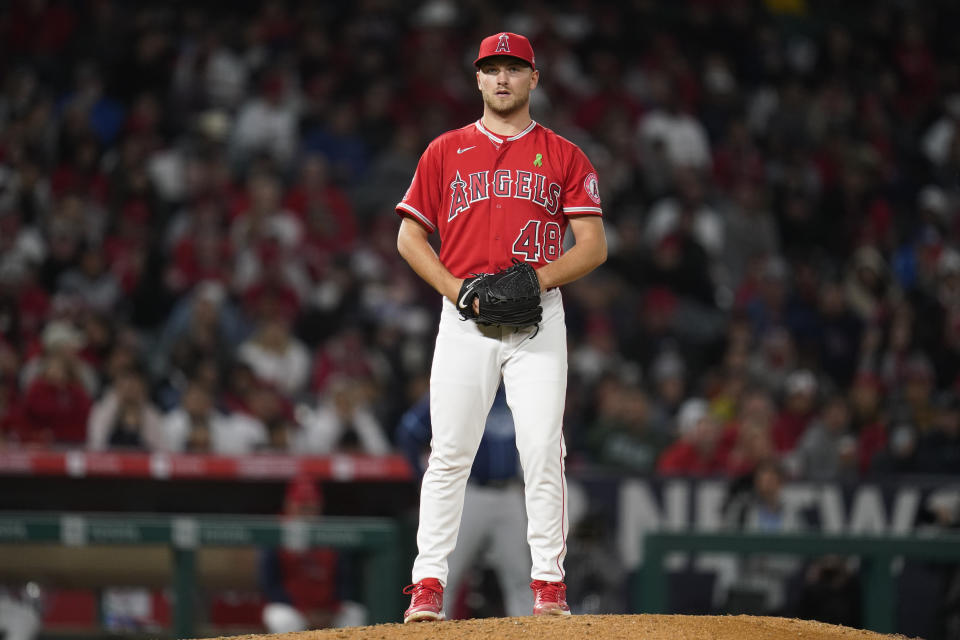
x=608 y=627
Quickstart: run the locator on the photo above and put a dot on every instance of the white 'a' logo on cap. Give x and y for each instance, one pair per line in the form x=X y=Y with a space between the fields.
x=503 y=44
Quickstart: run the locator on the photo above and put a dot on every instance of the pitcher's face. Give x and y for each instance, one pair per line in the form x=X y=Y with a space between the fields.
x=505 y=84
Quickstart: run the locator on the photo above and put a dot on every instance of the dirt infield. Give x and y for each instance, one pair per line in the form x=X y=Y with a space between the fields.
x=606 y=627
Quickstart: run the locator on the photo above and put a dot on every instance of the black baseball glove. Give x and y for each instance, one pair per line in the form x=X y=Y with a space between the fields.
x=509 y=297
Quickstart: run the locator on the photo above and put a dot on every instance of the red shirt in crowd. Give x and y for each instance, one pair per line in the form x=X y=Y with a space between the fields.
x=871 y=440
x=787 y=429
x=684 y=458
x=56 y=412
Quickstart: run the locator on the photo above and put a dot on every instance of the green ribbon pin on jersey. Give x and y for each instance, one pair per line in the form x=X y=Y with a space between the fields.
x=538 y=161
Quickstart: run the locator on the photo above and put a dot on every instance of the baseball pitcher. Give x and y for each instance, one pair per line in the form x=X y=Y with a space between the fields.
x=501 y=193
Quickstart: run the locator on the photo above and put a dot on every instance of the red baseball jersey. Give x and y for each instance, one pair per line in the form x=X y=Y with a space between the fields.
x=493 y=199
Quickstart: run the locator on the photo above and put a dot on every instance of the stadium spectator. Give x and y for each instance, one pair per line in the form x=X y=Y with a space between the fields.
x=58 y=389
x=342 y=421
x=774 y=360
x=272 y=409
x=203 y=327
x=624 y=434
x=683 y=136
x=699 y=449
x=276 y=356
x=900 y=453
x=124 y=417
x=24 y=304
x=199 y=248
x=869 y=288
x=267 y=123
x=799 y=405
x=868 y=418
x=749 y=436
x=827 y=450
x=688 y=220
x=941 y=134
x=20 y=244
x=914 y=403
x=839 y=335
x=91 y=281
x=329 y=224
x=669 y=389
x=750 y=231
x=197 y=426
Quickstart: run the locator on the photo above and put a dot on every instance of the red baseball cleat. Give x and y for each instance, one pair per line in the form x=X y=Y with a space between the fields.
x=549 y=598
x=426 y=601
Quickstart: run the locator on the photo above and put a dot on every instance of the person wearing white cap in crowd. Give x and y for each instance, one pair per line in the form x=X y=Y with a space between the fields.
x=797 y=409
x=698 y=449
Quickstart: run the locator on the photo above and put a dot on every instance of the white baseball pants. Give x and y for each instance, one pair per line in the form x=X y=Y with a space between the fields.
x=468 y=362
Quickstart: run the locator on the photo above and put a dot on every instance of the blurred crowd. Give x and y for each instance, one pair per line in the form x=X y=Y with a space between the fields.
x=198 y=242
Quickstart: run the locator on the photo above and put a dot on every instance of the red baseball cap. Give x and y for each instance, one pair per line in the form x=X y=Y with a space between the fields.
x=506 y=44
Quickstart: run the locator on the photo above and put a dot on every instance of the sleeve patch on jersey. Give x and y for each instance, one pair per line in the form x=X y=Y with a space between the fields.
x=591 y=187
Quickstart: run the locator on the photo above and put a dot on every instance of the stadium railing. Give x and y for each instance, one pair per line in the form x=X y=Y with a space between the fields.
x=877 y=554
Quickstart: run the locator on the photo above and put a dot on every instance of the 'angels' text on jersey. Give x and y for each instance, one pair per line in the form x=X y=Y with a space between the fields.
x=524 y=185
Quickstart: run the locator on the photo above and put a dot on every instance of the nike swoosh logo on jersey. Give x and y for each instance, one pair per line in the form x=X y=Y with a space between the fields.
x=459 y=150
